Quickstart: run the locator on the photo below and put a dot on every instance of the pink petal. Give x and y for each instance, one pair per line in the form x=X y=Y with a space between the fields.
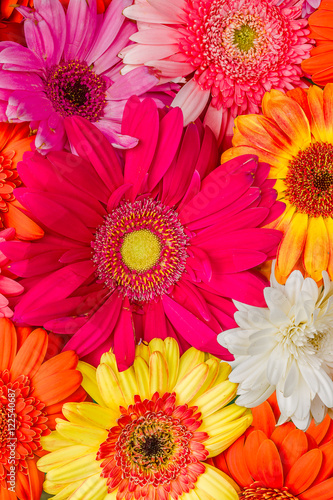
x=10 y=287
x=191 y=99
x=27 y=106
x=54 y=15
x=124 y=338
x=50 y=134
x=20 y=81
x=110 y=131
x=81 y=20
x=140 y=54
x=155 y=315
x=144 y=11
x=20 y=58
x=135 y=82
x=44 y=263
x=39 y=39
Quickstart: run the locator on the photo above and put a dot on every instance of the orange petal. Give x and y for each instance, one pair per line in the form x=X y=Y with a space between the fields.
x=26 y=229
x=22 y=333
x=292 y=448
x=328 y=111
x=269 y=465
x=64 y=361
x=301 y=97
x=55 y=388
x=237 y=464
x=322 y=491
x=252 y=444
x=326 y=470
x=281 y=432
x=317 y=62
x=325 y=76
x=318 y=431
x=8 y=343
x=36 y=479
x=31 y=355
x=316 y=252
x=304 y=472
x=329 y=227
x=292 y=244
x=246 y=150
x=263 y=418
x=289 y=117
x=326 y=4
x=316 y=104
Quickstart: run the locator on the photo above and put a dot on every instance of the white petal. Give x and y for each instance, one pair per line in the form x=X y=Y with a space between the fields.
x=291 y=382
x=276 y=365
x=318 y=409
x=293 y=285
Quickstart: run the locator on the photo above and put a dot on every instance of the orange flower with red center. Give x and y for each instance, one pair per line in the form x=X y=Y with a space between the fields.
x=295 y=136
x=31 y=398
x=272 y=462
x=14 y=142
x=320 y=64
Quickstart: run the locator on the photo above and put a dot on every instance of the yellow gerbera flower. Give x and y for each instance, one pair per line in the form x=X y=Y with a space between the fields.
x=295 y=136
x=150 y=430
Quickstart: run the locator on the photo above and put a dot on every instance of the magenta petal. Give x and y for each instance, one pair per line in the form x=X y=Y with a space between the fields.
x=170 y=133
x=135 y=82
x=17 y=57
x=246 y=287
x=44 y=263
x=81 y=24
x=193 y=330
x=91 y=144
x=54 y=15
x=54 y=287
x=10 y=287
x=140 y=120
x=124 y=338
x=76 y=254
x=20 y=81
x=112 y=22
x=205 y=163
x=110 y=130
x=155 y=322
x=28 y=106
x=51 y=134
x=98 y=328
x=39 y=39
x=54 y=215
x=47 y=312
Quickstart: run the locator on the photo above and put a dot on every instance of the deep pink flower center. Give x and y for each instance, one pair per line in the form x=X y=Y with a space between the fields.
x=140 y=249
x=310 y=180
x=74 y=89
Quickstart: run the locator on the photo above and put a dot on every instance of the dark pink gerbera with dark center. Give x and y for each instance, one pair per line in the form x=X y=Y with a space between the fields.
x=152 y=245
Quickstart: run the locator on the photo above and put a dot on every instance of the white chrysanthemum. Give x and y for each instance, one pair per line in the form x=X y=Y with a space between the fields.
x=287 y=347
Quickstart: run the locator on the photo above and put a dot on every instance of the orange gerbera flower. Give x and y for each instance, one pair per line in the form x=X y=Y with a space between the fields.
x=280 y=463
x=295 y=136
x=320 y=64
x=14 y=141
x=31 y=398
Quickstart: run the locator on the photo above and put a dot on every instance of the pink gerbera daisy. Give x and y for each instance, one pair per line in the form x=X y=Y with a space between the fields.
x=70 y=67
x=231 y=51
x=153 y=246
x=8 y=286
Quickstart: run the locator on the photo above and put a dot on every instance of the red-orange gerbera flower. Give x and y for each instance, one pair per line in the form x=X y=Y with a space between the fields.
x=320 y=64
x=31 y=398
x=280 y=463
x=14 y=141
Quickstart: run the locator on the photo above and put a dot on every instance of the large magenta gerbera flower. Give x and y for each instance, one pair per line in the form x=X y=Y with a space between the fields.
x=70 y=67
x=153 y=246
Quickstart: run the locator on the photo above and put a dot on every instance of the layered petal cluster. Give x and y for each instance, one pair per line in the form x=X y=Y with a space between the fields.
x=31 y=396
x=295 y=136
x=283 y=463
x=70 y=67
x=230 y=51
x=286 y=347
x=320 y=64
x=310 y=6
x=161 y=238
x=8 y=286
x=150 y=430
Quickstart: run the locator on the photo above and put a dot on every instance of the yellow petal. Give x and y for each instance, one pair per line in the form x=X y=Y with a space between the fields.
x=187 y=387
x=80 y=468
x=213 y=372
x=220 y=441
x=70 y=412
x=109 y=387
x=214 y=422
x=157 y=345
x=316 y=104
x=55 y=441
x=99 y=416
x=53 y=488
x=213 y=482
x=129 y=387
x=93 y=488
x=158 y=374
x=66 y=490
x=215 y=398
x=223 y=374
x=142 y=376
x=329 y=227
x=172 y=357
x=189 y=360
x=143 y=351
x=110 y=359
x=112 y=495
x=292 y=244
x=316 y=251
x=60 y=457
x=89 y=382
x=88 y=436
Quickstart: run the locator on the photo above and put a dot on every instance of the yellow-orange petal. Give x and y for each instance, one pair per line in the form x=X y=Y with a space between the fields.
x=8 y=343
x=316 y=104
x=289 y=117
x=31 y=355
x=316 y=251
x=328 y=111
x=292 y=244
x=329 y=227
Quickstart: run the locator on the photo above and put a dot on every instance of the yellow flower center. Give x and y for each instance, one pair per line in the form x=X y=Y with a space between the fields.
x=140 y=250
x=244 y=38
x=264 y=493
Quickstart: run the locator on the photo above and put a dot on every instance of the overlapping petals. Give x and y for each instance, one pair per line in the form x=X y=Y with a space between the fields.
x=31 y=396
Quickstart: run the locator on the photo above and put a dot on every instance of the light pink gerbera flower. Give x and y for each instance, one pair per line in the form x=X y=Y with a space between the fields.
x=153 y=246
x=70 y=67
x=231 y=51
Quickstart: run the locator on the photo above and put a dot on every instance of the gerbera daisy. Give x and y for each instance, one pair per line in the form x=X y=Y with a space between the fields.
x=280 y=463
x=288 y=347
x=70 y=67
x=295 y=136
x=320 y=64
x=149 y=431
x=14 y=141
x=231 y=52
x=8 y=286
x=164 y=240
x=31 y=397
